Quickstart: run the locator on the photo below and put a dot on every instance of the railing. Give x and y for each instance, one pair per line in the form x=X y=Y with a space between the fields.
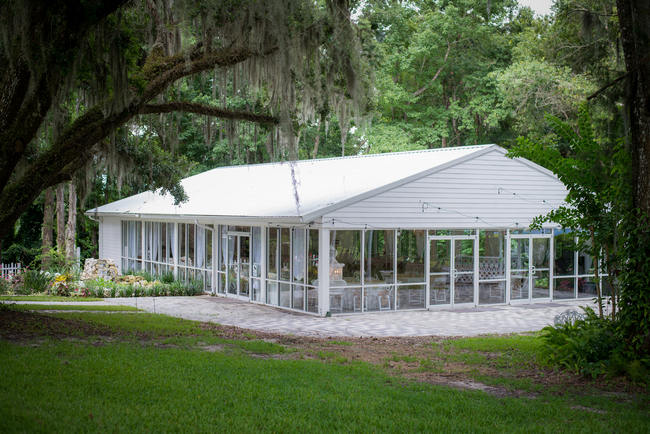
x=8 y=270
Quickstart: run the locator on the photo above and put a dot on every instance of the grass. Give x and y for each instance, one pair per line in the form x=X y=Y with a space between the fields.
x=131 y=383
x=46 y=298
x=96 y=308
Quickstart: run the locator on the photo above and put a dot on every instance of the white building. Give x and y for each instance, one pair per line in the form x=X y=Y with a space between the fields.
x=407 y=230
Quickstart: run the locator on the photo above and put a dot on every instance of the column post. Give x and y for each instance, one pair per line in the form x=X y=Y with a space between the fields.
x=323 y=271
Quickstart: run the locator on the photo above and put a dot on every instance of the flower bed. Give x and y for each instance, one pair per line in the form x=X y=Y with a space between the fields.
x=32 y=282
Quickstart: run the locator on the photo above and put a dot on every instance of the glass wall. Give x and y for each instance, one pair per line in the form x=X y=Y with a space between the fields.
x=492 y=267
x=411 y=271
x=195 y=253
x=345 y=271
x=377 y=270
x=292 y=268
x=159 y=247
x=256 y=264
x=131 y=246
x=574 y=274
x=222 y=258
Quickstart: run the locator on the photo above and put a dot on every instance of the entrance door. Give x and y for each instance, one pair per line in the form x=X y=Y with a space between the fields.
x=239 y=265
x=529 y=267
x=451 y=270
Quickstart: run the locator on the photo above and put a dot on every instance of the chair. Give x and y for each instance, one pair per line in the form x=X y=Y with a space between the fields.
x=336 y=302
x=387 y=296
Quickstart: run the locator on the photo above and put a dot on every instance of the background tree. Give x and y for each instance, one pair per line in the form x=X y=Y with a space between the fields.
x=113 y=61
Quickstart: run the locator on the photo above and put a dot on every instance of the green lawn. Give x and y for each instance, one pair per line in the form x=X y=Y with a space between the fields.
x=104 y=308
x=148 y=373
x=46 y=298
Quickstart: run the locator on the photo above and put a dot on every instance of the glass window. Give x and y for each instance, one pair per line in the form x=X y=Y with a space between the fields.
x=565 y=248
x=224 y=249
x=379 y=257
x=312 y=299
x=182 y=243
x=312 y=255
x=285 y=254
x=298 y=252
x=451 y=232
x=586 y=264
x=411 y=250
x=586 y=287
x=492 y=255
x=345 y=258
x=125 y=243
x=411 y=297
x=191 y=259
x=200 y=252
x=256 y=234
x=564 y=288
x=208 y=248
x=272 y=248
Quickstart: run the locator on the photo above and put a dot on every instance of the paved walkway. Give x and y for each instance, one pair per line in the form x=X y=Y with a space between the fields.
x=457 y=322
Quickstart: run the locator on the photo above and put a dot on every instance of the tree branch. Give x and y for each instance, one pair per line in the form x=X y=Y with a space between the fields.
x=435 y=77
x=161 y=73
x=607 y=86
x=203 y=109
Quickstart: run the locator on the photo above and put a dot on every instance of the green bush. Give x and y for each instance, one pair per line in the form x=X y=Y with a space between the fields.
x=55 y=262
x=5 y=286
x=167 y=277
x=36 y=281
x=592 y=346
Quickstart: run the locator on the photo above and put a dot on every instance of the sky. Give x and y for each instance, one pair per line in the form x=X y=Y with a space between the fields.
x=541 y=7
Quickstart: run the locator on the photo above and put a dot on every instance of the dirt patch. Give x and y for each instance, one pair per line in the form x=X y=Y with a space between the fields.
x=588 y=409
x=22 y=326
x=212 y=348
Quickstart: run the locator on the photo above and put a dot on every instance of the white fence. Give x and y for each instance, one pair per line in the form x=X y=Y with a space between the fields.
x=8 y=270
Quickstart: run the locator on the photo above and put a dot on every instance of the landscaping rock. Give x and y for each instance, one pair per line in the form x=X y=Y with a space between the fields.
x=99 y=269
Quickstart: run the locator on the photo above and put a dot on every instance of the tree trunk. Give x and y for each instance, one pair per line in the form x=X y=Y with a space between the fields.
x=48 y=227
x=71 y=228
x=60 y=218
x=596 y=256
x=634 y=307
x=634 y=18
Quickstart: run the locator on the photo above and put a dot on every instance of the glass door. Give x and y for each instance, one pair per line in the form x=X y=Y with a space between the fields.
x=440 y=271
x=244 y=266
x=238 y=278
x=451 y=270
x=233 y=264
x=463 y=267
x=541 y=268
x=519 y=268
x=530 y=259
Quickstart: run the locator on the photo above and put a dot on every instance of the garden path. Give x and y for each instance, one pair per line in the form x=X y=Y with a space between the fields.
x=447 y=322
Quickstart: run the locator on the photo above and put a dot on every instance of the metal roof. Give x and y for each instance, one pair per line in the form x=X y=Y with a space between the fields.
x=298 y=190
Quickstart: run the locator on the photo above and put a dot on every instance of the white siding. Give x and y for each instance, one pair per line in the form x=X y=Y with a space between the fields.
x=110 y=239
x=454 y=197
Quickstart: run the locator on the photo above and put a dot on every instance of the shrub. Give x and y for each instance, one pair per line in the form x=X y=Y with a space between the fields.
x=591 y=346
x=36 y=281
x=167 y=277
x=5 y=286
x=57 y=263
